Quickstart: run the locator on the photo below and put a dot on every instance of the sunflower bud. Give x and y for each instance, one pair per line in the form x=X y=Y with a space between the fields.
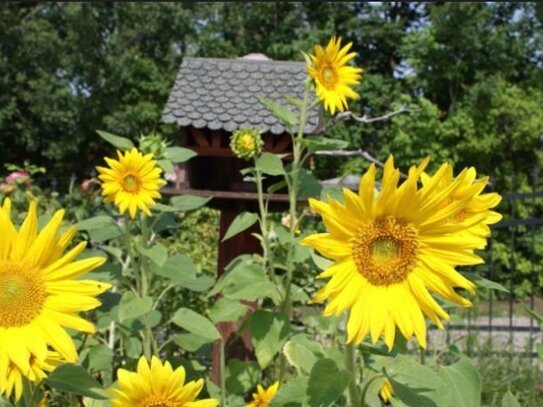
x=246 y=143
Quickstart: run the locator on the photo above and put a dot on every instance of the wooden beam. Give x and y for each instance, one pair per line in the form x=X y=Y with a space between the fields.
x=283 y=145
x=199 y=137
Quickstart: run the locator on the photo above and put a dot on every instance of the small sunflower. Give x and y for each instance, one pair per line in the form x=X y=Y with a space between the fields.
x=393 y=249
x=263 y=397
x=131 y=182
x=12 y=376
x=40 y=293
x=386 y=392
x=157 y=385
x=246 y=143
x=480 y=203
x=334 y=79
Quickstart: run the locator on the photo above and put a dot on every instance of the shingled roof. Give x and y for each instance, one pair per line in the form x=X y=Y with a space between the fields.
x=224 y=93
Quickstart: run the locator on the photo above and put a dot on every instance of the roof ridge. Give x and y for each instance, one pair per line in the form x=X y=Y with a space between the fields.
x=242 y=60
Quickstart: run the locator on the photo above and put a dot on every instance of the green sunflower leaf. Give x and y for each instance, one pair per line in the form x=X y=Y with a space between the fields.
x=121 y=143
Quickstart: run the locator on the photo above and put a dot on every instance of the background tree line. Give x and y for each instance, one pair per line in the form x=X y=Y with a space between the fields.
x=473 y=71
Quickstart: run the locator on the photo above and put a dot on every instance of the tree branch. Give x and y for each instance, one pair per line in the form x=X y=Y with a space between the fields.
x=355 y=153
x=348 y=115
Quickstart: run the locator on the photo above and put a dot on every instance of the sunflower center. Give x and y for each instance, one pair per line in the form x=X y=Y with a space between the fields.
x=385 y=250
x=246 y=143
x=156 y=401
x=131 y=183
x=22 y=294
x=329 y=77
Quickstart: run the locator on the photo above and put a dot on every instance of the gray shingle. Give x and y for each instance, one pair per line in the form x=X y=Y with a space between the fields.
x=224 y=93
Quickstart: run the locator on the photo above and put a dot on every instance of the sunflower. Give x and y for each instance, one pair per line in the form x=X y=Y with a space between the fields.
x=246 y=143
x=39 y=292
x=157 y=385
x=333 y=78
x=263 y=397
x=386 y=392
x=393 y=249
x=480 y=203
x=132 y=182
x=12 y=376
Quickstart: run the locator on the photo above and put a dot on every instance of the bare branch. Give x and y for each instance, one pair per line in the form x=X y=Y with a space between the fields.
x=348 y=115
x=354 y=153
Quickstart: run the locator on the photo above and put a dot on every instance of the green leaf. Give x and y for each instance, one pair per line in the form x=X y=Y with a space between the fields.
x=310 y=186
x=75 y=379
x=99 y=358
x=186 y=203
x=100 y=228
x=190 y=342
x=166 y=165
x=242 y=222
x=299 y=356
x=283 y=113
x=483 y=282
x=105 y=233
x=226 y=310
x=415 y=384
x=181 y=271
x=196 y=323
x=164 y=208
x=133 y=347
x=509 y=400
x=241 y=376
x=462 y=382
x=157 y=253
x=132 y=307
x=292 y=393
x=179 y=154
x=121 y=143
x=96 y=222
x=314 y=144
x=269 y=333
x=269 y=163
x=326 y=383
x=245 y=281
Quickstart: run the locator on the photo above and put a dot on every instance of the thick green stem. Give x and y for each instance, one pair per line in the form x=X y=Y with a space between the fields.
x=266 y=246
x=422 y=355
x=350 y=363
x=293 y=186
x=149 y=345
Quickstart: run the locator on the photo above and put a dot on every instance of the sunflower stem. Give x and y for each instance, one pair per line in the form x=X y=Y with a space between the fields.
x=293 y=185
x=422 y=355
x=263 y=220
x=149 y=345
x=350 y=363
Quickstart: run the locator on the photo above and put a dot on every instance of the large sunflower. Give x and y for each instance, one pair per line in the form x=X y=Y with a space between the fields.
x=39 y=293
x=157 y=385
x=333 y=77
x=263 y=397
x=132 y=182
x=393 y=249
x=480 y=203
x=12 y=376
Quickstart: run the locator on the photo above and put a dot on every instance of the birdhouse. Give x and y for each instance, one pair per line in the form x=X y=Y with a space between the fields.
x=212 y=98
